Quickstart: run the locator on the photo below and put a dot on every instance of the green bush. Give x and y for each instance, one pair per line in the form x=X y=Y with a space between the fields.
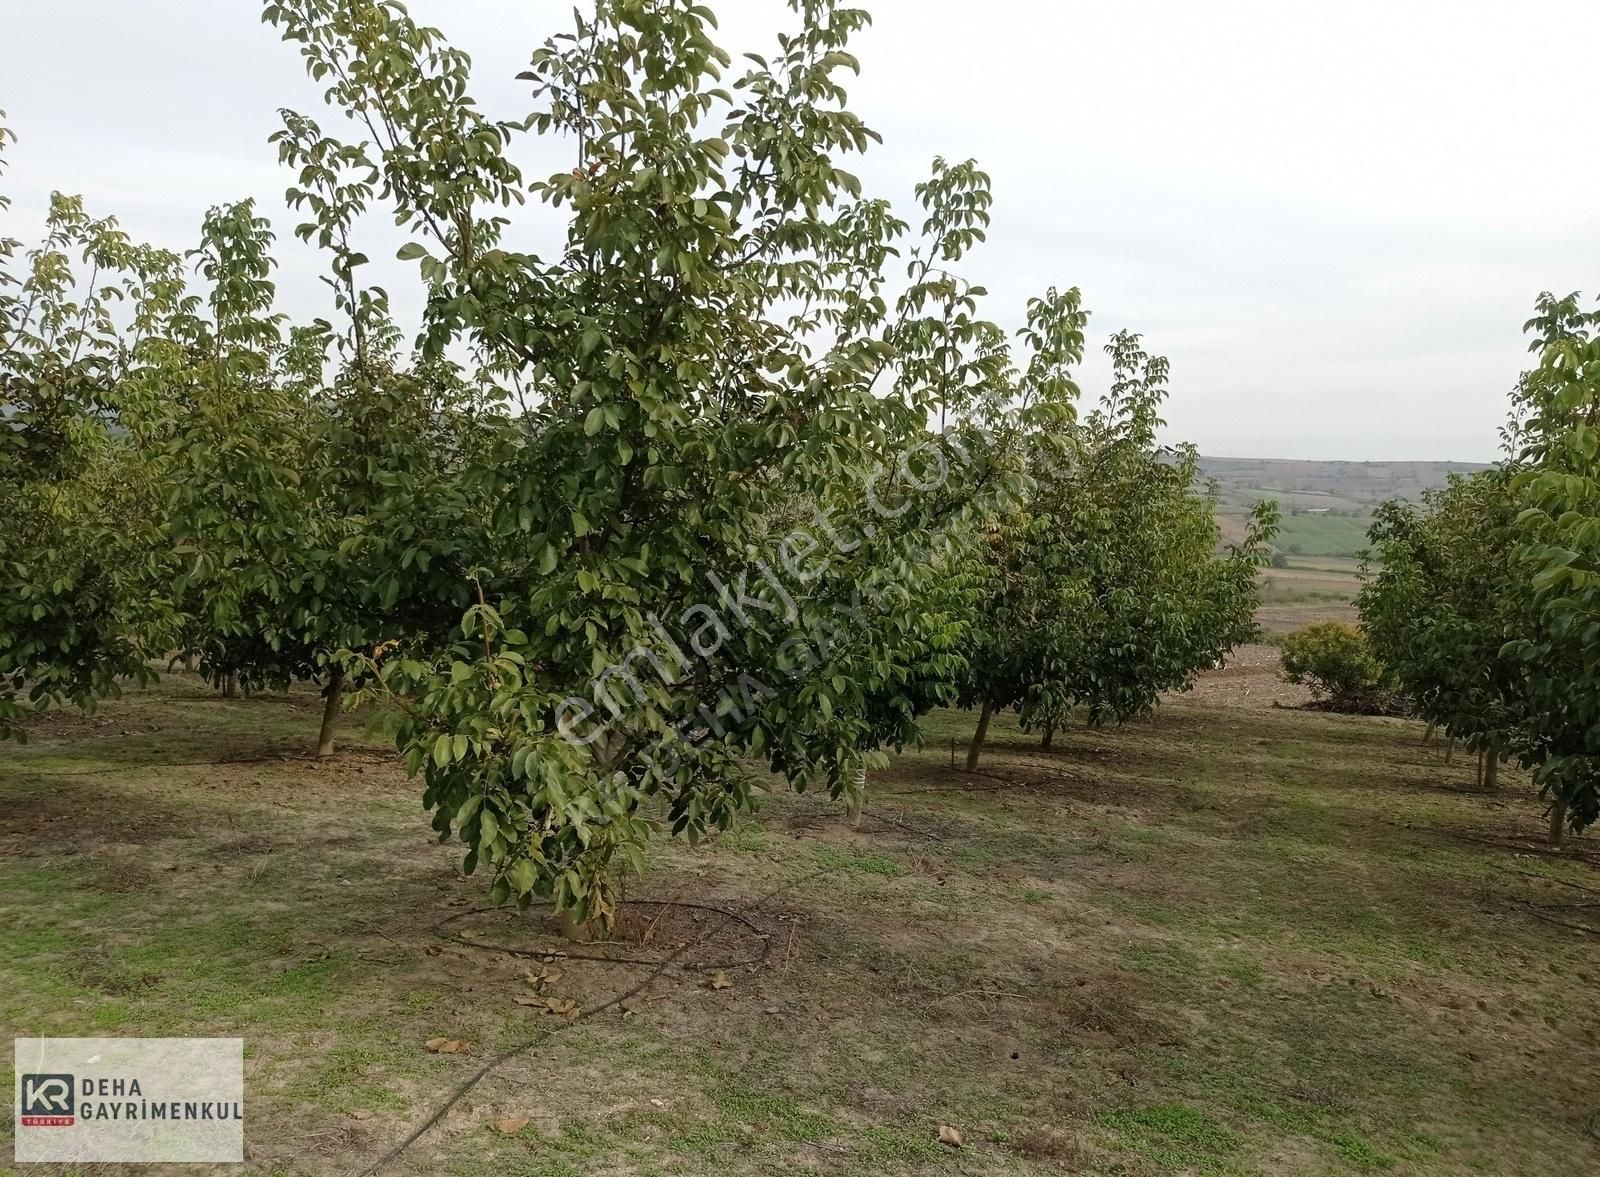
x=1334 y=659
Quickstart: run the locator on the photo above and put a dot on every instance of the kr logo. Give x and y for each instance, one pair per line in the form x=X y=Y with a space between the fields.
x=47 y=1101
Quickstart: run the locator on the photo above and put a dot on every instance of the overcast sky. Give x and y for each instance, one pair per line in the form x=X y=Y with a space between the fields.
x=1334 y=218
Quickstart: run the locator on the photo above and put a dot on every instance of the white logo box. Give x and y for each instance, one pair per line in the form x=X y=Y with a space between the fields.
x=129 y=1100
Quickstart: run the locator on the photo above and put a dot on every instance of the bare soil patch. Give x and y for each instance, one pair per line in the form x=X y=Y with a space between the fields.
x=1252 y=677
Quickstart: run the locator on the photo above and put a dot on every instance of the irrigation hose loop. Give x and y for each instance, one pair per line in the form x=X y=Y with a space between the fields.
x=612 y=958
x=461 y=1089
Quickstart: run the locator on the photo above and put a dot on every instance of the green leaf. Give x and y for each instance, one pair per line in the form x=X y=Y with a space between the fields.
x=522 y=876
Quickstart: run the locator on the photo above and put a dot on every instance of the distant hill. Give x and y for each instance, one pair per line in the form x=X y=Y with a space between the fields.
x=1326 y=505
x=1349 y=484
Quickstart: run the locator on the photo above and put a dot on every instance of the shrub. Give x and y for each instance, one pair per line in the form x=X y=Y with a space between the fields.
x=1334 y=659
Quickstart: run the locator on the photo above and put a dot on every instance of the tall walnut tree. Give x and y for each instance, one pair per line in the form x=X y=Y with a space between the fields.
x=1107 y=588
x=1556 y=435
x=80 y=514
x=711 y=356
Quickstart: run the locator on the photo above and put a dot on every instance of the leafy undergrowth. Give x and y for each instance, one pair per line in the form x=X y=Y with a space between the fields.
x=1220 y=942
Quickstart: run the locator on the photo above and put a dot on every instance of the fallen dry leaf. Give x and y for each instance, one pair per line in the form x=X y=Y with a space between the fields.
x=528 y=999
x=949 y=1136
x=512 y=1125
x=362 y=1114
x=544 y=975
x=446 y=1046
x=719 y=980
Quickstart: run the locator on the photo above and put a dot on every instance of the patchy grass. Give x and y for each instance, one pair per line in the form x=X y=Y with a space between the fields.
x=1223 y=941
x=1175 y=1137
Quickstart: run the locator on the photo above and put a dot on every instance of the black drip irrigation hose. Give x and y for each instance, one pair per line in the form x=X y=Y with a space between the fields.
x=660 y=967
x=144 y=765
x=765 y=939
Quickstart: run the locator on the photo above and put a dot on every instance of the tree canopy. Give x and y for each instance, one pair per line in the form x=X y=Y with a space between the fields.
x=1485 y=601
x=1106 y=588
x=1556 y=435
x=739 y=476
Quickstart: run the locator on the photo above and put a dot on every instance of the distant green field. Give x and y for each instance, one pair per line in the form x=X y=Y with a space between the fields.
x=1353 y=488
x=1317 y=536
x=1322 y=535
x=1307 y=537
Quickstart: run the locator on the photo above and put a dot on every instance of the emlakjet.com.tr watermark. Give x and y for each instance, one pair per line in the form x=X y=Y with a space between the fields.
x=131 y=1100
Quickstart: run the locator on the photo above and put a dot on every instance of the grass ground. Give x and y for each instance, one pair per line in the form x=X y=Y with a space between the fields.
x=1300 y=585
x=1225 y=941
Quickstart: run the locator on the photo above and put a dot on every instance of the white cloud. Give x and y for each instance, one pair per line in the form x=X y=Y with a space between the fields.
x=1334 y=219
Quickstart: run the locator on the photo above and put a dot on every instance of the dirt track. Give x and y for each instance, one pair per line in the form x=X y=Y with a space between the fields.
x=1252 y=678
x=1288 y=618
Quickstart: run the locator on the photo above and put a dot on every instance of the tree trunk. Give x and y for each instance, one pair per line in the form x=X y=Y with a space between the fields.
x=188 y=662
x=1049 y=736
x=1427 y=736
x=1480 y=768
x=1450 y=751
x=333 y=696
x=1491 y=770
x=975 y=749
x=859 y=801
x=576 y=930
x=230 y=685
x=1558 y=822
